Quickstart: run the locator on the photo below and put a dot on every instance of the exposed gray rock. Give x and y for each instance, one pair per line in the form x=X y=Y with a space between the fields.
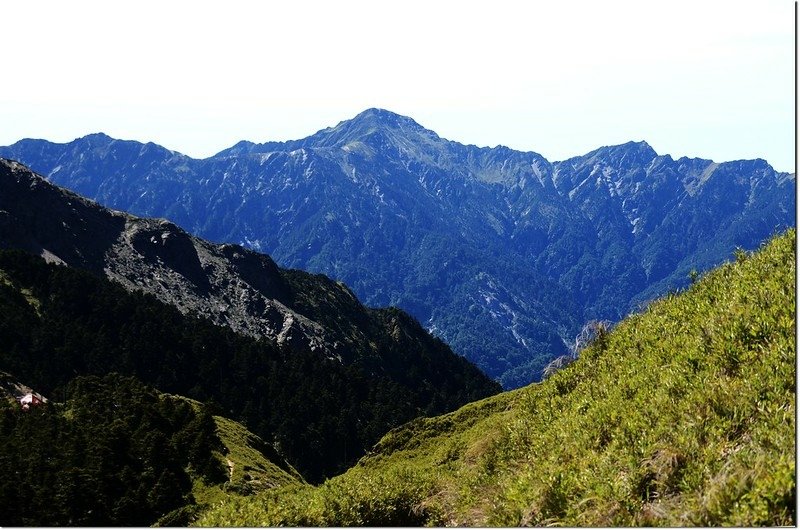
x=227 y=284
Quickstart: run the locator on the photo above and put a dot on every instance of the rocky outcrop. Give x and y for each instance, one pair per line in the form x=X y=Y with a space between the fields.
x=227 y=284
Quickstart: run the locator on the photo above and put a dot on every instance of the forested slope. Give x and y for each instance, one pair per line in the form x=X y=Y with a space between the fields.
x=322 y=414
x=116 y=453
x=295 y=356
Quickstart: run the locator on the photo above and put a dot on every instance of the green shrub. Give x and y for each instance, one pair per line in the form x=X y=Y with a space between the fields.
x=682 y=415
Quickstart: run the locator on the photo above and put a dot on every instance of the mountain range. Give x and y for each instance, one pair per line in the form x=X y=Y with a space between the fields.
x=294 y=356
x=501 y=253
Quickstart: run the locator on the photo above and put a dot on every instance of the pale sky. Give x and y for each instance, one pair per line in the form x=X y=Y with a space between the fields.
x=707 y=78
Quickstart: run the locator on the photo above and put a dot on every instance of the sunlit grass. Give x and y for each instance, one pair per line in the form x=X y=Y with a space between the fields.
x=682 y=415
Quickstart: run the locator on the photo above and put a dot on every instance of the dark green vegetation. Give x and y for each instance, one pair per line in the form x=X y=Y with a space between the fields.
x=118 y=453
x=684 y=414
x=321 y=414
x=504 y=254
x=115 y=453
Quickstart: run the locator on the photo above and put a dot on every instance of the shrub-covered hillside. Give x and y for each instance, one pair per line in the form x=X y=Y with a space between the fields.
x=682 y=415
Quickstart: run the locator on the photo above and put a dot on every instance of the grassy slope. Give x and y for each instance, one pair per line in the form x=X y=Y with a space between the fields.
x=683 y=415
x=253 y=465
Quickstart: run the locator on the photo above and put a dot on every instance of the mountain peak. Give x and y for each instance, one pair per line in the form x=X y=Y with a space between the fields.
x=630 y=152
x=640 y=147
x=94 y=139
x=383 y=117
x=365 y=124
x=97 y=136
x=374 y=118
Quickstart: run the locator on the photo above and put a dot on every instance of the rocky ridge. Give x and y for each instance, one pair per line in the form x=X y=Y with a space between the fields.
x=501 y=253
x=227 y=284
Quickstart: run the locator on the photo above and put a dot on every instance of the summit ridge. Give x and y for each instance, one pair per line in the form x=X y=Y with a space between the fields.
x=502 y=253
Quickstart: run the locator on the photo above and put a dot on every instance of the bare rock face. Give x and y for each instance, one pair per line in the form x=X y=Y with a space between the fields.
x=198 y=277
x=227 y=284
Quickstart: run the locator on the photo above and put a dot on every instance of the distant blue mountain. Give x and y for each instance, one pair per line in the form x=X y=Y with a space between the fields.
x=502 y=253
